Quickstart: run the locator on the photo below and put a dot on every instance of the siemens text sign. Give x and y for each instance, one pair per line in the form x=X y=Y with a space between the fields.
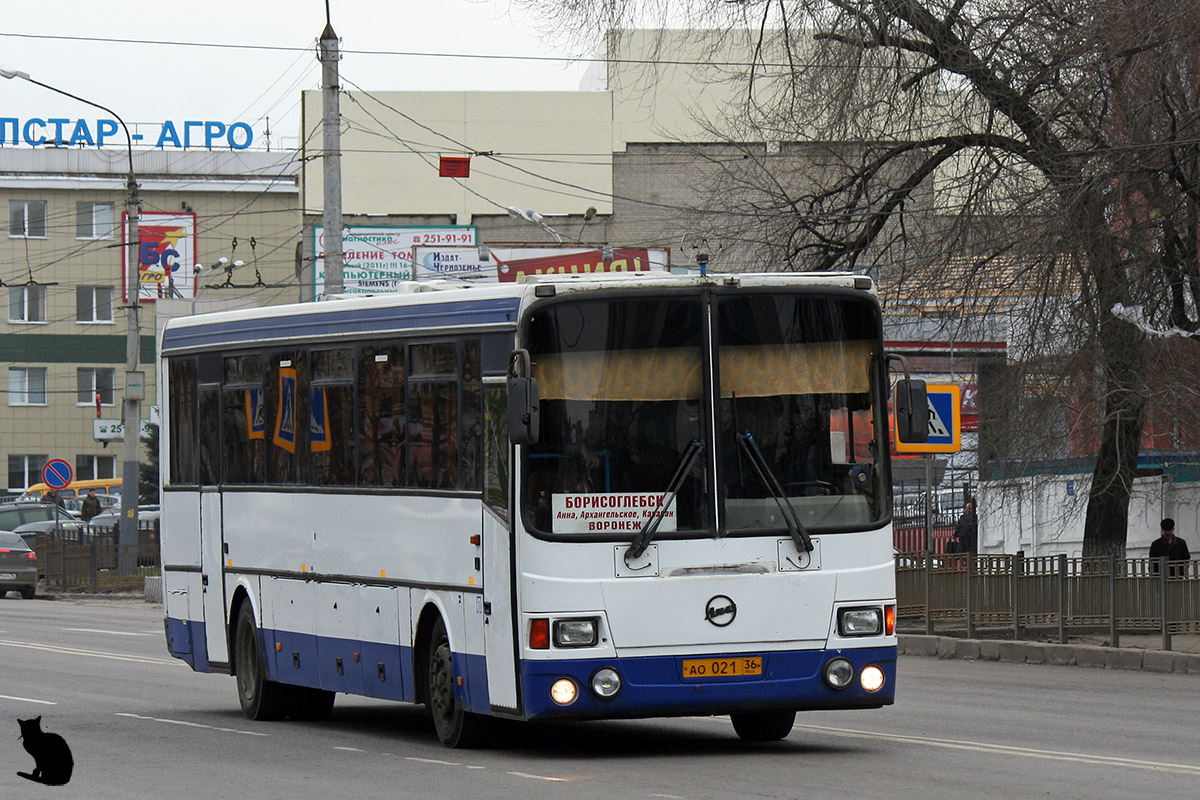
x=64 y=132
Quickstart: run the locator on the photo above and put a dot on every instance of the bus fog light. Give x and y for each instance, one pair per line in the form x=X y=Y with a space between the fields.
x=606 y=682
x=575 y=632
x=871 y=678
x=564 y=691
x=839 y=673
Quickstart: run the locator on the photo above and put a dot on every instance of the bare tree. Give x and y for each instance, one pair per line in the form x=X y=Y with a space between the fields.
x=1057 y=137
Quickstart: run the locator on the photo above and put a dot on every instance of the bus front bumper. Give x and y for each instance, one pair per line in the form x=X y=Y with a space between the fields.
x=655 y=686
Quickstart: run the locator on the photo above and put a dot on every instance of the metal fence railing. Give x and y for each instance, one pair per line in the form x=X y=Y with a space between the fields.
x=91 y=559
x=1012 y=592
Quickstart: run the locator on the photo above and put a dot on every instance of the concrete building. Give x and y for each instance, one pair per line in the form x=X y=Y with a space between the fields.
x=63 y=339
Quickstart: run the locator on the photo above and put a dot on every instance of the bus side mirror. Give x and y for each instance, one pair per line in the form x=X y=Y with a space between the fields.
x=524 y=418
x=912 y=412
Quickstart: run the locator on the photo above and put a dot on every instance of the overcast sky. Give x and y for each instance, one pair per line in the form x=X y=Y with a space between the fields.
x=152 y=83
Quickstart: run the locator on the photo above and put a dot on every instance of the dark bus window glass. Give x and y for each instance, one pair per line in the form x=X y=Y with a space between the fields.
x=381 y=415
x=182 y=377
x=433 y=416
x=798 y=381
x=496 y=348
x=243 y=422
x=495 y=447
x=331 y=419
x=209 y=434
x=620 y=382
x=286 y=414
x=471 y=419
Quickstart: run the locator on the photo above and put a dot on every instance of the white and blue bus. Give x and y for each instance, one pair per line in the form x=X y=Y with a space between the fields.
x=570 y=497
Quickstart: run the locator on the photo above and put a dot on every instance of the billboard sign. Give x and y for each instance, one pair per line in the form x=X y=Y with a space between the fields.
x=506 y=264
x=166 y=255
x=376 y=259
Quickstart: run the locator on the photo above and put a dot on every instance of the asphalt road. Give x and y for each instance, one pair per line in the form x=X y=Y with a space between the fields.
x=141 y=724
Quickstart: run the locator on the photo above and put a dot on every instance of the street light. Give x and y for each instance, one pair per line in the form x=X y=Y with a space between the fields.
x=135 y=390
x=534 y=218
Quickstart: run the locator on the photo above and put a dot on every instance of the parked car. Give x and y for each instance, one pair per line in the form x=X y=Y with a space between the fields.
x=74 y=505
x=110 y=517
x=45 y=517
x=55 y=530
x=18 y=566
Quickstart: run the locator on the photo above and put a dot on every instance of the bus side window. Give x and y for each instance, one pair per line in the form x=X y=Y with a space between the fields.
x=243 y=422
x=182 y=376
x=495 y=445
x=433 y=416
x=471 y=416
x=381 y=415
x=331 y=419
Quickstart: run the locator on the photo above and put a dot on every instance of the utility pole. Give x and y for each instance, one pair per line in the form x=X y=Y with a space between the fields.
x=332 y=143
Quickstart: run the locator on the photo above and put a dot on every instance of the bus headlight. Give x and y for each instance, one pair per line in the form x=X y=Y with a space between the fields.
x=860 y=621
x=839 y=673
x=871 y=678
x=606 y=682
x=575 y=632
x=564 y=691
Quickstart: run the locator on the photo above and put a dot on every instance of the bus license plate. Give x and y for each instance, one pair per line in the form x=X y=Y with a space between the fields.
x=722 y=667
x=8 y=576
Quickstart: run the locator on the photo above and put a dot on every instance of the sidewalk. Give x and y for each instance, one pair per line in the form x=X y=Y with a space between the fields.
x=1137 y=651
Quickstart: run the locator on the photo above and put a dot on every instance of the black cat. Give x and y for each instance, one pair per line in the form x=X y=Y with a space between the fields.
x=50 y=754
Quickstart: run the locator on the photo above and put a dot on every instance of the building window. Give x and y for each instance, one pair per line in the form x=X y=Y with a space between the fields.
x=92 y=381
x=90 y=468
x=25 y=471
x=27 y=386
x=93 y=304
x=27 y=219
x=27 y=303
x=94 y=220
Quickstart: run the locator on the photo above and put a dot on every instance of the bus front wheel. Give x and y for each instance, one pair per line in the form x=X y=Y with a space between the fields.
x=455 y=727
x=763 y=726
x=261 y=699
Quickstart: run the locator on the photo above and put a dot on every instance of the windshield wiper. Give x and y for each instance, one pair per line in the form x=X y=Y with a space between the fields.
x=796 y=528
x=650 y=526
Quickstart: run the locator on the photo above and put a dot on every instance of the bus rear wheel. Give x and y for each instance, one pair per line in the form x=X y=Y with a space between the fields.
x=261 y=699
x=763 y=726
x=455 y=727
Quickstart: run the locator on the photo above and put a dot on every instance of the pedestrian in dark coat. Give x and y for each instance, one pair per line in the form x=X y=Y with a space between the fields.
x=1169 y=545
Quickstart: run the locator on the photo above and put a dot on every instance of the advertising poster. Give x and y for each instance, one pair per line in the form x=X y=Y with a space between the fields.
x=505 y=264
x=167 y=255
x=375 y=260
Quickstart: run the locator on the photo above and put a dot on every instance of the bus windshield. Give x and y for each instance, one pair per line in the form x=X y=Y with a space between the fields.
x=797 y=383
x=620 y=386
x=627 y=384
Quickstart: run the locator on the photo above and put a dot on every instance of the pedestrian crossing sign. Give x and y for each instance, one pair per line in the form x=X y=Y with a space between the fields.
x=945 y=422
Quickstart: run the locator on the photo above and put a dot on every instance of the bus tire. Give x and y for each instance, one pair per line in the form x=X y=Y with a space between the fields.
x=261 y=699
x=309 y=704
x=455 y=727
x=763 y=726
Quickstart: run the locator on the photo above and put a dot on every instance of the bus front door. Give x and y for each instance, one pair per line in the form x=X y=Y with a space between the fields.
x=212 y=575
x=498 y=604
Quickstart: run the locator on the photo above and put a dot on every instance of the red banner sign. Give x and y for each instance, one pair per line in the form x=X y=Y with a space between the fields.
x=589 y=261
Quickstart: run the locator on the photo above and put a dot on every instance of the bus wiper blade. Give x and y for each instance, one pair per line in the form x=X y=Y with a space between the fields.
x=650 y=526
x=765 y=474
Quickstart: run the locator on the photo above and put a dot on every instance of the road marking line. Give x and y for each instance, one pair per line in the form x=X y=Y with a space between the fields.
x=1004 y=749
x=75 y=651
x=28 y=700
x=540 y=777
x=350 y=749
x=110 y=633
x=432 y=761
x=187 y=724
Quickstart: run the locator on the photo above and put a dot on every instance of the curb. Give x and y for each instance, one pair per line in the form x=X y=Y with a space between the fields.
x=1072 y=655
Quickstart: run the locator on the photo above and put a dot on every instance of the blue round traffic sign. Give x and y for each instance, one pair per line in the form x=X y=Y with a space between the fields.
x=57 y=474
